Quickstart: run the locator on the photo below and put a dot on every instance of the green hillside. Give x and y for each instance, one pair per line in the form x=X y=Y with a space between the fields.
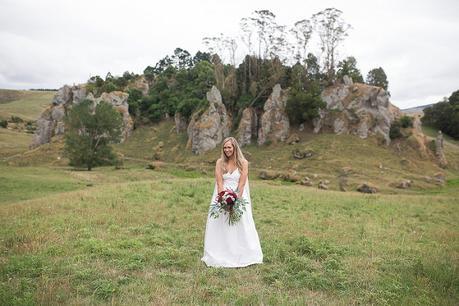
x=25 y=104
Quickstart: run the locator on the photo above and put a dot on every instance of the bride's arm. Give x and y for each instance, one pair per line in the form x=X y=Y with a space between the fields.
x=219 y=175
x=243 y=178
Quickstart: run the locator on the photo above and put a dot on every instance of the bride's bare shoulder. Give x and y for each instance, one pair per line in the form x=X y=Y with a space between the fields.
x=219 y=161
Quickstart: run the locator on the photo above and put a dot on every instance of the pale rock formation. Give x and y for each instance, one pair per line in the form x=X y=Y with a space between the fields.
x=274 y=121
x=51 y=121
x=439 y=152
x=247 y=130
x=207 y=130
x=356 y=109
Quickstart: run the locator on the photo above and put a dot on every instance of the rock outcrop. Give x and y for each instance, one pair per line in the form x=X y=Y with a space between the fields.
x=207 y=130
x=247 y=130
x=357 y=109
x=274 y=125
x=439 y=152
x=51 y=121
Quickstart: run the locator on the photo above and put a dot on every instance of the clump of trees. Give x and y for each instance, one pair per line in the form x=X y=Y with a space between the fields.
x=444 y=115
x=90 y=131
x=96 y=85
x=268 y=52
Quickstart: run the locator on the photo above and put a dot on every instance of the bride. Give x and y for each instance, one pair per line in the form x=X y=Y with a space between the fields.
x=235 y=245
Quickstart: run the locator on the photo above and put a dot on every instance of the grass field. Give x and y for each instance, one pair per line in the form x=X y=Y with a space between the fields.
x=135 y=236
x=25 y=104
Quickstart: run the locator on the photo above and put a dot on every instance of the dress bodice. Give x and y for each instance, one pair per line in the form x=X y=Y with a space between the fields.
x=231 y=179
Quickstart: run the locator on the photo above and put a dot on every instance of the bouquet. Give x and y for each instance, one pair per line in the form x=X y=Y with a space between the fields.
x=228 y=203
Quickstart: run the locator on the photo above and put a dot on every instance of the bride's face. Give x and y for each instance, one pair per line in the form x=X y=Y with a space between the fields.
x=228 y=149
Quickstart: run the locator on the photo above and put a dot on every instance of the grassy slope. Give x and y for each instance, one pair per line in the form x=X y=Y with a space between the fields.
x=27 y=105
x=136 y=236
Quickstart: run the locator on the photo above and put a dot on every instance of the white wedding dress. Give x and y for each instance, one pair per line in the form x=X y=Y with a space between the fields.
x=236 y=245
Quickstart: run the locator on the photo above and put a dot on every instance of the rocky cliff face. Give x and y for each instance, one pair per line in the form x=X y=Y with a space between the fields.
x=357 y=109
x=51 y=121
x=274 y=124
x=207 y=130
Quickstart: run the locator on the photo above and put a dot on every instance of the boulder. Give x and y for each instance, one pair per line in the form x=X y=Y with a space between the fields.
x=247 y=129
x=294 y=138
x=268 y=175
x=357 y=109
x=306 y=181
x=207 y=130
x=274 y=124
x=404 y=184
x=323 y=185
x=300 y=154
x=367 y=188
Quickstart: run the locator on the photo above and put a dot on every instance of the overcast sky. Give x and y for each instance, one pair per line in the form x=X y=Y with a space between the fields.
x=49 y=43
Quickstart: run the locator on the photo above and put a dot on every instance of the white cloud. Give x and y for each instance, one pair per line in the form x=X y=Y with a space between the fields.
x=49 y=43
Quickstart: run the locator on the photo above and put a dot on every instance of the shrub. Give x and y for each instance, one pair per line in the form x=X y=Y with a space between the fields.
x=394 y=131
x=406 y=121
x=3 y=123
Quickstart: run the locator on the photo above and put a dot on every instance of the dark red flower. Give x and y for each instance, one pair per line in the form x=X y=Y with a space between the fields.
x=229 y=201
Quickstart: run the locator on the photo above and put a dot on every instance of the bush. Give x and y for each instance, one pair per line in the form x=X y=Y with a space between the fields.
x=3 y=123
x=444 y=115
x=304 y=105
x=394 y=131
x=406 y=121
x=16 y=119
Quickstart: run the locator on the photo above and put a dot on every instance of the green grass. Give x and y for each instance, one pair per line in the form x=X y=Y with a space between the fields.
x=13 y=142
x=27 y=105
x=135 y=236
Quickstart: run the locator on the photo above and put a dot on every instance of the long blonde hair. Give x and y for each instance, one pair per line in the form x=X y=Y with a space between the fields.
x=237 y=152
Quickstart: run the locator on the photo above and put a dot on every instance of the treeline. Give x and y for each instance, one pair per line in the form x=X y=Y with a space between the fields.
x=444 y=115
x=274 y=54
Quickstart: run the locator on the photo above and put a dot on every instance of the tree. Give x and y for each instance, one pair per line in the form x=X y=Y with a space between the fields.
x=89 y=134
x=377 y=77
x=302 y=31
x=332 y=30
x=444 y=115
x=304 y=105
x=348 y=67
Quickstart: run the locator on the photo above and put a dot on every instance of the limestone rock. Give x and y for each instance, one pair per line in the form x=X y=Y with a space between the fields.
x=118 y=100
x=207 y=130
x=290 y=176
x=180 y=122
x=268 y=175
x=300 y=154
x=347 y=80
x=323 y=185
x=306 y=181
x=274 y=121
x=439 y=152
x=141 y=84
x=357 y=109
x=247 y=129
x=294 y=138
x=51 y=121
x=404 y=184
x=367 y=188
